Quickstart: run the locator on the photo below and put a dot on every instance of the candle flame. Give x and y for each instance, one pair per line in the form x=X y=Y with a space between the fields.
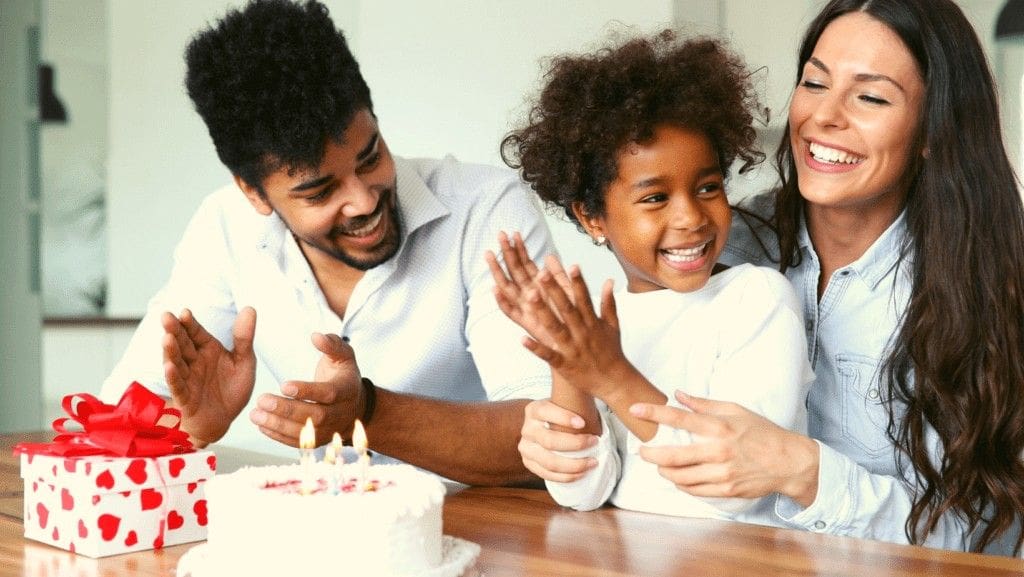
x=333 y=452
x=359 y=442
x=307 y=437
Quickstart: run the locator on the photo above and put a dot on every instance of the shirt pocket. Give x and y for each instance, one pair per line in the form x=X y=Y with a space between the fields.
x=865 y=414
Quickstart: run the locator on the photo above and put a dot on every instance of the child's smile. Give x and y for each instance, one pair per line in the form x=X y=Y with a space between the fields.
x=666 y=215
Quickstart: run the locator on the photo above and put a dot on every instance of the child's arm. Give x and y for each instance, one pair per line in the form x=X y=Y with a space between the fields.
x=572 y=399
x=584 y=349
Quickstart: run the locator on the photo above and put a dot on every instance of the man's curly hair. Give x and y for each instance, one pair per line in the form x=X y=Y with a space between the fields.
x=595 y=104
x=272 y=82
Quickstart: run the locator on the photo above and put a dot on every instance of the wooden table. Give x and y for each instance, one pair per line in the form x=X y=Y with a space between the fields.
x=523 y=533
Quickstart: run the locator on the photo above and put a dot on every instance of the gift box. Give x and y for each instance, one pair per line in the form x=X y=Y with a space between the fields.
x=125 y=482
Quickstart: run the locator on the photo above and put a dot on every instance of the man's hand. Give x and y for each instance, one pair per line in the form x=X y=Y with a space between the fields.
x=333 y=400
x=208 y=383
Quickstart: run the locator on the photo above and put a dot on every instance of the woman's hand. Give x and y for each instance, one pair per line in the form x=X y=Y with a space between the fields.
x=735 y=453
x=538 y=443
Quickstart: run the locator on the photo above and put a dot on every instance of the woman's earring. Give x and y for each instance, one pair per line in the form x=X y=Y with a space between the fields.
x=600 y=240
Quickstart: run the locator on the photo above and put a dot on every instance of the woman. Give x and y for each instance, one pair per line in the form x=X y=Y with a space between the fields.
x=900 y=225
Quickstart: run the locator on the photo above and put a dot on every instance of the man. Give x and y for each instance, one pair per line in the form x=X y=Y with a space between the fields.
x=377 y=257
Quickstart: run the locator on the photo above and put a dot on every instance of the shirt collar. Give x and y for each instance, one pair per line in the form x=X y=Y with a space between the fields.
x=879 y=259
x=417 y=203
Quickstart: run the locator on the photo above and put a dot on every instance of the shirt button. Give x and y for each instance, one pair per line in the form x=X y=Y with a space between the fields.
x=819 y=525
x=844 y=273
x=872 y=393
x=810 y=326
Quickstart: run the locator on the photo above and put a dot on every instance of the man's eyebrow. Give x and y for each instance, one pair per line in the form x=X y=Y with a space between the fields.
x=360 y=157
x=310 y=184
x=862 y=77
x=369 y=148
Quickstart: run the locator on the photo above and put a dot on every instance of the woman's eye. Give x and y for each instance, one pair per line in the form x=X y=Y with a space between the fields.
x=812 y=84
x=654 y=198
x=873 y=99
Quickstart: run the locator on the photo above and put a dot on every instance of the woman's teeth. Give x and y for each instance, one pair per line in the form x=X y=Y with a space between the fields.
x=825 y=154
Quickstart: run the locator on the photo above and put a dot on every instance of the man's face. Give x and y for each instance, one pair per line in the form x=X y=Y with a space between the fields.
x=346 y=207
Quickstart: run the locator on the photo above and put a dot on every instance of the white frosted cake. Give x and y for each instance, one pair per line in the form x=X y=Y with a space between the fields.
x=284 y=521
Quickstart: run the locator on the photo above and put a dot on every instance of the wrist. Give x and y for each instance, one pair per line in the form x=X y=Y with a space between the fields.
x=368 y=401
x=802 y=482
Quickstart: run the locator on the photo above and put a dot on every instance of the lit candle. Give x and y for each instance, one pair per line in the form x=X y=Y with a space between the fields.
x=333 y=456
x=307 y=441
x=359 y=443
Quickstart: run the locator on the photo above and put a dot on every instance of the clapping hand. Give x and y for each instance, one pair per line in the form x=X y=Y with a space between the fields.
x=332 y=400
x=208 y=383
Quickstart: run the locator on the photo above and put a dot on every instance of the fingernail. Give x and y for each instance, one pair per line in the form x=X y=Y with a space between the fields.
x=592 y=441
x=266 y=402
x=637 y=410
x=258 y=417
x=577 y=422
x=289 y=389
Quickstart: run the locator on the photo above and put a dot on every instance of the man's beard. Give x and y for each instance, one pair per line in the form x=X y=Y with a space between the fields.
x=385 y=249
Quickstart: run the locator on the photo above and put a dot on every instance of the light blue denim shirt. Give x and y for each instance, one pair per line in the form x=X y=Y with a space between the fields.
x=861 y=492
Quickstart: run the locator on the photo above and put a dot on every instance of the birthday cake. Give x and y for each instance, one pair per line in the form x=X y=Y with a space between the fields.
x=327 y=520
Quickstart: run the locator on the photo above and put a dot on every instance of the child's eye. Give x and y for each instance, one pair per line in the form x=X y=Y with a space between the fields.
x=710 y=189
x=654 y=198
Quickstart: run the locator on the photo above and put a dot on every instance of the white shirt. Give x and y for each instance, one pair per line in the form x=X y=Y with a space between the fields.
x=424 y=322
x=740 y=339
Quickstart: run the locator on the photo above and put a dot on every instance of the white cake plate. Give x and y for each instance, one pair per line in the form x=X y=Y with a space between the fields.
x=458 y=558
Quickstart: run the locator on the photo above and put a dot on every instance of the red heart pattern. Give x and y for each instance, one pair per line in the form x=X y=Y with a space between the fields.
x=211 y=461
x=131 y=539
x=137 y=471
x=175 y=466
x=108 y=525
x=69 y=465
x=150 y=499
x=200 y=510
x=67 y=502
x=192 y=487
x=83 y=531
x=56 y=534
x=174 y=520
x=43 y=514
x=105 y=480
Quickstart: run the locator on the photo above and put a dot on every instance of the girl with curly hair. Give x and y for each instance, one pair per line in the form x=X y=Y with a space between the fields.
x=634 y=143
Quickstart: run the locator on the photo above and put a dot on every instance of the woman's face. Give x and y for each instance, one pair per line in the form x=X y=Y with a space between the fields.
x=855 y=117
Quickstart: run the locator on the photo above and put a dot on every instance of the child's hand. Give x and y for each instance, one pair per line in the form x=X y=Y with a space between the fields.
x=583 y=348
x=511 y=290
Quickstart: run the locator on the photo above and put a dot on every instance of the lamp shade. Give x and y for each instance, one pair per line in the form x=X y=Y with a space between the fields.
x=1010 y=24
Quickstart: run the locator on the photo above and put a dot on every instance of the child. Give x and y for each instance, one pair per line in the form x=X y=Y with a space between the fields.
x=634 y=144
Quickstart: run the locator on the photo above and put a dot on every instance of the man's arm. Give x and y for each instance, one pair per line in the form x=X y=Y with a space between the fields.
x=473 y=443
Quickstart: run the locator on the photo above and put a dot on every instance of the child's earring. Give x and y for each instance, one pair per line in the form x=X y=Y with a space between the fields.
x=600 y=240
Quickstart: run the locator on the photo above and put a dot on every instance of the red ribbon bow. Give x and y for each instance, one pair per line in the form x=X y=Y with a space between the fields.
x=133 y=428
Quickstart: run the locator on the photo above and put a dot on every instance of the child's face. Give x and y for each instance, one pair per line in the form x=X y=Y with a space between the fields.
x=666 y=214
